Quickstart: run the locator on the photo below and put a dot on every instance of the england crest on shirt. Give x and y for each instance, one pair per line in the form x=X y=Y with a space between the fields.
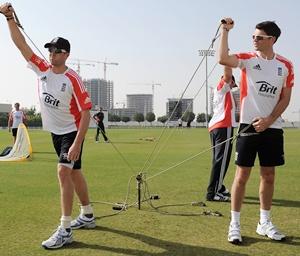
x=63 y=87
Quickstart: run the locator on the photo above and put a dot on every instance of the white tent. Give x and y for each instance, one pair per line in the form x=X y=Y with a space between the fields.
x=22 y=148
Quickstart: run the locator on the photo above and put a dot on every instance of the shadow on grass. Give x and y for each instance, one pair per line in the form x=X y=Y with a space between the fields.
x=275 y=202
x=169 y=248
x=290 y=240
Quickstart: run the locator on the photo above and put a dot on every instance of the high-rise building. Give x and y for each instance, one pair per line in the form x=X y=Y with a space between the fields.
x=101 y=92
x=184 y=105
x=142 y=103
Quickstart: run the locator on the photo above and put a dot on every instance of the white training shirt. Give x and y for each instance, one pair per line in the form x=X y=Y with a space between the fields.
x=17 y=118
x=223 y=107
x=261 y=85
x=62 y=97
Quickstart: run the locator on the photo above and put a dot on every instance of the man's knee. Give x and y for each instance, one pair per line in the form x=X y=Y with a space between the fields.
x=241 y=180
x=64 y=173
x=242 y=175
x=268 y=177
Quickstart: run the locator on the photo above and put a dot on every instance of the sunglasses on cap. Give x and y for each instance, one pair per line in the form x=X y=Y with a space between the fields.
x=55 y=50
x=260 y=37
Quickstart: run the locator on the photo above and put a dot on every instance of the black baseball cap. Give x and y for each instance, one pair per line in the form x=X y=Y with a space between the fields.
x=59 y=43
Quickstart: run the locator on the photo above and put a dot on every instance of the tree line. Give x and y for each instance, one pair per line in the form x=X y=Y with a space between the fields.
x=188 y=117
x=34 y=118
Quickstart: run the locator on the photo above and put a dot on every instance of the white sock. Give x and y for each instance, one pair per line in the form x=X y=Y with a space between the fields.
x=86 y=209
x=65 y=221
x=264 y=216
x=235 y=217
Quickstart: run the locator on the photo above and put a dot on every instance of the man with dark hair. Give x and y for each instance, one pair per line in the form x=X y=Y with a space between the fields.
x=265 y=88
x=65 y=106
x=15 y=118
x=220 y=129
x=99 y=117
x=270 y=28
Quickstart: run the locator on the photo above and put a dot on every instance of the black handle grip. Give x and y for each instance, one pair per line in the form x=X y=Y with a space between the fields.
x=224 y=22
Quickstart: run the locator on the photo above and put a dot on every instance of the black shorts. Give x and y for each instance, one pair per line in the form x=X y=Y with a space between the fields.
x=267 y=144
x=14 y=131
x=62 y=143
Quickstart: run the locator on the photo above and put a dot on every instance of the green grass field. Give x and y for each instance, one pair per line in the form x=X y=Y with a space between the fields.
x=30 y=209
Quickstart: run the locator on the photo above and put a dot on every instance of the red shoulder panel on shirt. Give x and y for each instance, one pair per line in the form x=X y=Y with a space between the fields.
x=40 y=63
x=245 y=56
x=79 y=90
x=220 y=85
x=289 y=66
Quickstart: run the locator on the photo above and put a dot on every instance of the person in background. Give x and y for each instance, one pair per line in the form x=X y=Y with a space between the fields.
x=15 y=118
x=221 y=128
x=99 y=117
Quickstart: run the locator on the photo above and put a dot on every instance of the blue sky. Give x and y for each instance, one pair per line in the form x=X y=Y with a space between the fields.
x=152 y=40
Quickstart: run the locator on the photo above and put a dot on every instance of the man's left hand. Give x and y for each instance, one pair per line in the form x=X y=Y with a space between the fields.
x=261 y=123
x=74 y=152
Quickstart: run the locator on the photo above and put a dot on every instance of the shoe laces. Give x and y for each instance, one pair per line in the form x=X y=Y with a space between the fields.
x=59 y=232
x=234 y=229
x=270 y=227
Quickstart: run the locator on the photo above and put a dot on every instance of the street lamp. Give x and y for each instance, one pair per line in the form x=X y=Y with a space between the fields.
x=206 y=53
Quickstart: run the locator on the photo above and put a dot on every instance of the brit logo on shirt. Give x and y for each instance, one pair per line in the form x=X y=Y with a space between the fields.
x=279 y=71
x=63 y=87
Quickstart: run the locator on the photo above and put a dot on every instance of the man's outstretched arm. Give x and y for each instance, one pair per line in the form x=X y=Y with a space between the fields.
x=224 y=57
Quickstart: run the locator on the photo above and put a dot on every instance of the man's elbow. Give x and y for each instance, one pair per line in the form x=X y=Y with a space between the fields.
x=223 y=61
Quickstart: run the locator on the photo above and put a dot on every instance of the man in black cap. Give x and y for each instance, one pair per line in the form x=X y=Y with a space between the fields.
x=59 y=43
x=65 y=106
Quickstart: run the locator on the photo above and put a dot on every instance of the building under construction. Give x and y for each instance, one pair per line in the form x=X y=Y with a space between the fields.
x=101 y=92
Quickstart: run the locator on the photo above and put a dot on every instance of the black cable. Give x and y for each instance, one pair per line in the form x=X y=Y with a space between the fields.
x=114 y=146
x=18 y=23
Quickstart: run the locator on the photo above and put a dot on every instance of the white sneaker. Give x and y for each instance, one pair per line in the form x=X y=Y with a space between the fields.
x=226 y=192
x=83 y=222
x=59 y=238
x=219 y=197
x=269 y=230
x=234 y=233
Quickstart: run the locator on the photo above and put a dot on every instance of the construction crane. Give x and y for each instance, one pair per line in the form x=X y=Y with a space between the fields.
x=78 y=65
x=105 y=63
x=149 y=84
x=153 y=85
